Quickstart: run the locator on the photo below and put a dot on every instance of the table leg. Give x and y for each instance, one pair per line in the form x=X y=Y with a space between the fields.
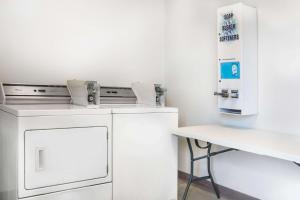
x=191 y=176
x=192 y=160
x=216 y=189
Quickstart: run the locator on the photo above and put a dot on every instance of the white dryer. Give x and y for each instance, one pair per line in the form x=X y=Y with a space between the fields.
x=145 y=153
x=53 y=151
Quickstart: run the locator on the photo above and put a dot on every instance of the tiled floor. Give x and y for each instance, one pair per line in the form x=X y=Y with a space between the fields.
x=195 y=193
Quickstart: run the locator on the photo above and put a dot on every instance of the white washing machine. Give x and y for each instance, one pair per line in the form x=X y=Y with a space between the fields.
x=53 y=151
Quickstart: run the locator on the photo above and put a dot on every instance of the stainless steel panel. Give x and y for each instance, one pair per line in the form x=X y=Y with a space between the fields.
x=117 y=95
x=31 y=90
x=116 y=92
x=117 y=100
x=36 y=100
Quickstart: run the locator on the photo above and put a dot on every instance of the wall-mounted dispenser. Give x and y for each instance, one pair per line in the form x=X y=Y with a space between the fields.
x=237 y=60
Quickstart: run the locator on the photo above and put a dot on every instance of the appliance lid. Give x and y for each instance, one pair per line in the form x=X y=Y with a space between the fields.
x=139 y=109
x=52 y=109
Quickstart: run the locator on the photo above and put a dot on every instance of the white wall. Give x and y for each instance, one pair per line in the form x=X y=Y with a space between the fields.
x=113 y=41
x=118 y=42
x=191 y=78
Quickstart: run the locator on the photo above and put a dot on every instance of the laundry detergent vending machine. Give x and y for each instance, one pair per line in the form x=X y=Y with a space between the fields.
x=237 y=60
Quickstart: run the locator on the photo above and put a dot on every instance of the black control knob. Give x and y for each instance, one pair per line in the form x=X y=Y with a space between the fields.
x=91 y=98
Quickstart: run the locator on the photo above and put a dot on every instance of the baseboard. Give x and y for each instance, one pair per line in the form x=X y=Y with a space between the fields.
x=224 y=191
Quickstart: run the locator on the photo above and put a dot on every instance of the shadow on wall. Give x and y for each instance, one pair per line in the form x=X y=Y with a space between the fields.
x=238 y=121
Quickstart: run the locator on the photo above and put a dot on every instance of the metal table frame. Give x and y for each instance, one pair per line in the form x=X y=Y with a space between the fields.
x=208 y=156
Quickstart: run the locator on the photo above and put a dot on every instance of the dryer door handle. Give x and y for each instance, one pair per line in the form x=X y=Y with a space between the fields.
x=39 y=159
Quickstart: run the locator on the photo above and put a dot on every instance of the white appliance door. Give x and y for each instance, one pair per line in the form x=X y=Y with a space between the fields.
x=145 y=156
x=67 y=155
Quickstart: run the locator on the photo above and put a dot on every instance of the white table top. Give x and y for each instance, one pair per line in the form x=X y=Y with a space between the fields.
x=278 y=145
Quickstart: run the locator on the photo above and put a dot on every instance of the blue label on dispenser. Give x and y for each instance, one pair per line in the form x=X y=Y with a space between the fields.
x=230 y=70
